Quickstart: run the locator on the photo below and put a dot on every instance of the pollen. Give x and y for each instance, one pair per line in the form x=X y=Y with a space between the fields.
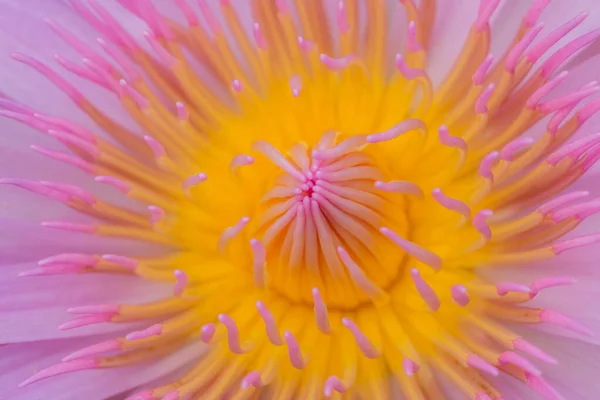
x=325 y=207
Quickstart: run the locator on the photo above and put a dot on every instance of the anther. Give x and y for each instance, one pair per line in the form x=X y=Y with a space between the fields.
x=270 y=325
x=192 y=181
x=425 y=256
x=451 y=204
x=481 y=103
x=364 y=344
x=260 y=259
x=231 y=232
x=333 y=383
x=261 y=43
x=482 y=70
x=233 y=336
x=460 y=295
x=207 y=332
x=482 y=365
x=410 y=367
x=126 y=262
x=116 y=182
x=400 y=187
x=480 y=223
x=397 y=130
x=360 y=279
x=321 y=312
x=153 y=330
x=504 y=288
x=181 y=279
x=156 y=214
x=294 y=352
x=252 y=379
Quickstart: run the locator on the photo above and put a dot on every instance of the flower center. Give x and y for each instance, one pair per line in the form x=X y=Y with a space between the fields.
x=320 y=223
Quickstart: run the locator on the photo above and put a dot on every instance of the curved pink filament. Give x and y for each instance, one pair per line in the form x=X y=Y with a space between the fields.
x=237 y=86
x=503 y=288
x=305 y=45
x=182 y=112
x=405 y=126
x=425 y=256
x=554 y=317
x=98 y=348
x=156 y=214
x=482 y=365
x=545 y=89
x=485 y=14
x=482 y=70
x=153 y=330
x=527 y=348
x=117 y=183
x=338 y=64
x=551 y=39
x=425 y=291
x=233 y=336
x=517 y=51
x=137 y=97
x=278 y=159
x=261 y=43
x=566 y=100
x=72 y=190
x=400 y=187
x=86 y=320
x=181 y=282
x=510 y=357
x=410 y=367
x=480 y=223
x=126 y=262
x=485 y=168
x=509 y=151
x=568 y=244
x=460 y=295
x=333 y=383
x=342 y=20
x=481 y=103
x=231 y=232
x=294 y=352
x=194 y=180
x=71 y=258
x=69 y=226
x=549 y=282
x=406 y=71
x=62 y=368
x=411 y=38
x=359 y=277
x=270 y=325
x=561 y=200
x=451 y=204
x=156 y=147
x=351 y=144
x=66 y=158
x=574 y=147
x=251 y=379
x=364 y=344
x=321 y=314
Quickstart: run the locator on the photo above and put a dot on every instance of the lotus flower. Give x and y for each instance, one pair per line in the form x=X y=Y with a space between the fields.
x=299 y=199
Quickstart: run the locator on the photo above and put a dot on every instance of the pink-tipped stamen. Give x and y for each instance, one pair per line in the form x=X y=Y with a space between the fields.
x=261 y=43
x=70 y=258
x=477 y=362
x=294 y=352
x=88 y=73
x=66 y=158
x=62 y=368
x=70 y=226
x=233 y=335
x=573 y=148
x=98 y=348
x=504 y=288
x=241 y=160
x=270 y=325
x=36 y=187
x=451 y=204
x=554 y=317
x=527 y=348
x=187 y=12
x=404 y=187
x=425 y=291
x=349 y=145
x=53 y=270
x=333 y=383
x=569 y=244
x=321 y=313
x=278 y=159
x=342 y=21
x=231 y=232
x=481 y=103
x=541 y=387
x=153 y=330
x=75 y=141
x=513 y=148
x=157 y=214
x=480 y=223
x=72 y=190
x=561 y=201
x=544 y=90
x=546 y=43
x=566 y=100
x=487 y=162
x=162 y=53
x=207 y=332
x=252 y=379
x=425 y=256
x=409 y=366
x=136 y=96
x=126 y=262
x=128 y=68
x=403 y=127
x=579 y=211
x=484 y=396
x=157 y=149
x=460 y=295
x=364 y=344
x=182 y=112
x=259 y=264
x=406 y=71
x=210 y=17
x=181 y=282
x=534 y=12
x=587 y=111
x=483 y=18
x=338 y=64
x=282 y=7
x=510 y=357
x=68 y=126
x=550 y=282
x=481 y=73
x=193 y=180
x=562 y=54
x=305 y=45
x=86 y=320
x=295 y=84
x=412 y=45
x=95 y=309
x=237 y=86
x=451 y=141
x=359 y=277
x=172 y=395
x=121 y=185
x=517 y=51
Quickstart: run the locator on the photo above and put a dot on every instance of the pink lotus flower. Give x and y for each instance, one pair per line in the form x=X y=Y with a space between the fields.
x=299 y=198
